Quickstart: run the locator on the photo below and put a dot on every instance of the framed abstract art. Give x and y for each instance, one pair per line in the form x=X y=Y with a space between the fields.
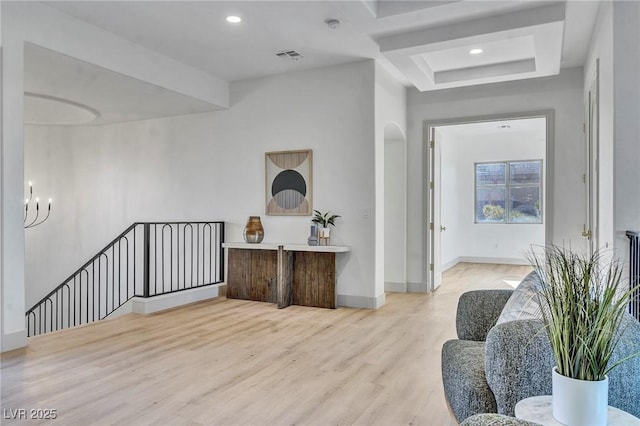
x=288 y=183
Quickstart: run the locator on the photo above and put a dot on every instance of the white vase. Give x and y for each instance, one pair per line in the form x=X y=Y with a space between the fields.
x=324 y=234
x=580 y=402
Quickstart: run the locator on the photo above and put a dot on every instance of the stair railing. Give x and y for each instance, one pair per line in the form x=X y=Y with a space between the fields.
x=148 y=259
x=634 y=272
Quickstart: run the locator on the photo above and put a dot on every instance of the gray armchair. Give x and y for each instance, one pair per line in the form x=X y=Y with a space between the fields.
x=488 y=369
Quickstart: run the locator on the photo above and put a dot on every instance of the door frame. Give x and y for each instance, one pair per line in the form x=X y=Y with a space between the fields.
x=591 y=177
x=427 y=193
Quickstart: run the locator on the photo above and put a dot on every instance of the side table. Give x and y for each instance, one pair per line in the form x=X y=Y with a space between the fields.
x=538 y=409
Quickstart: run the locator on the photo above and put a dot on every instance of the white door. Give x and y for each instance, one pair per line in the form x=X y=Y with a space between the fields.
x=435 y=221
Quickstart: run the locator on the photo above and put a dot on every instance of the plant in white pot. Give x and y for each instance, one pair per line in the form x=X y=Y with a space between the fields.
x=324 y=220
x=582 y=303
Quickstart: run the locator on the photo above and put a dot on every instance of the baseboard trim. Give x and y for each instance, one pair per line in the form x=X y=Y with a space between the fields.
x=395 y=287
x=150 y=305
x=496 y=260
x=12 y=341
x=417 y=287
x=450 y=264
x=361 y=302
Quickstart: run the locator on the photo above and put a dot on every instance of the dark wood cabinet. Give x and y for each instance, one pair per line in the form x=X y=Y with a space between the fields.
x=284 y=274
x=252 y=275
x=314 y=279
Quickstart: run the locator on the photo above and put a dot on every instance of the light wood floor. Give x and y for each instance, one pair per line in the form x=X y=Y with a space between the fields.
x=232 y=362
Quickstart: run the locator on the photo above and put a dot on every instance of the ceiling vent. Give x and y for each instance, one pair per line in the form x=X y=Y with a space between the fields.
x=289 y=54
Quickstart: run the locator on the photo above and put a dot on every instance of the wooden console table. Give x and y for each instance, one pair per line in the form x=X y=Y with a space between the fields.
x=286 y=274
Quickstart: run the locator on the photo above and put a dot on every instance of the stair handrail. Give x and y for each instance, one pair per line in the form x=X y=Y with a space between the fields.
x=89 y=262
x=43 y=310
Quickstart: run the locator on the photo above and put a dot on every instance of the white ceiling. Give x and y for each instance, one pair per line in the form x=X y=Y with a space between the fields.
x=536 y=126
x=422 y=43
x=519 y=44
x=66 y=91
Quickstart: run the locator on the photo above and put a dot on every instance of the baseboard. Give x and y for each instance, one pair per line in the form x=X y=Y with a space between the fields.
x=361 y=301
x=150 y=305
x=124 y=309
x=417 y=287
x=15 y=340
x=496 y=260
x=395 y=287
x=450 y=264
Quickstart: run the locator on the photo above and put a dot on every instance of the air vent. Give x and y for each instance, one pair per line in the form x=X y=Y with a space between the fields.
x=289 y=54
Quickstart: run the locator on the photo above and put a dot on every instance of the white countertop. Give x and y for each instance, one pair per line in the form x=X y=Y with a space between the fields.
x=287 y=247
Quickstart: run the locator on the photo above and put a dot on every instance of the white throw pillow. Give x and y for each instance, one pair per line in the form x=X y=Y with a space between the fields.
x=523 y=303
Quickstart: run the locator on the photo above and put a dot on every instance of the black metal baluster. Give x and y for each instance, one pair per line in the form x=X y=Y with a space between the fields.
x=177 y=257
x=146 y=271
x=155 y=254
x=221 y=253
x=209 y=257
x=190 y=258
x=634 y=272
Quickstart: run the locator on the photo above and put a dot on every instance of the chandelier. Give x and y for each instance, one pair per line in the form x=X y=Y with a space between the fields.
x=30 y=223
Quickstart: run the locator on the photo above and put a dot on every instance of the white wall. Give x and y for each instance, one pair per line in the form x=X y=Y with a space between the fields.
x=602 y=48
x=211 y=167
x=463 y=239
x=562 y=93
x=626 y=48
x=12 y=235
x=615 y=44
x=390 y=112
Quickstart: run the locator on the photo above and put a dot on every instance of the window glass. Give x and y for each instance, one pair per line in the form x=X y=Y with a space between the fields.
x=524 y=204
x=513 y=197
x=526 y=172
x=491 y=174
x=490 y=205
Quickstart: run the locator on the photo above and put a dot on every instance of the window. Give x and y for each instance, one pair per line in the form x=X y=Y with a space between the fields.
x=508 y=192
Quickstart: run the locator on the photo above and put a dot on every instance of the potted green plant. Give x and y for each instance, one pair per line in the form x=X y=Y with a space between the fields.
x=324 y=220
x=582 y=304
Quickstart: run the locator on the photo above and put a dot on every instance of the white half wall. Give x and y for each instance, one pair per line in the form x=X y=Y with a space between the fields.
x=464 y=239
x=210 y=166
x=562 y=93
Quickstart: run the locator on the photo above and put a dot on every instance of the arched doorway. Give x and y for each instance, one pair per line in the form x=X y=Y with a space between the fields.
x=395 y=202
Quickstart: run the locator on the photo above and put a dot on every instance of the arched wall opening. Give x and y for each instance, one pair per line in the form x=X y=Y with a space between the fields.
x=395 y=202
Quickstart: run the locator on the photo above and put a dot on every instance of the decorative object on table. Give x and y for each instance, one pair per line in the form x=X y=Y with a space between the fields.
x=582 y=304
x=324 y=220
x=288 y=183
x=30 y=223
x=253 y=231
x=313 y=236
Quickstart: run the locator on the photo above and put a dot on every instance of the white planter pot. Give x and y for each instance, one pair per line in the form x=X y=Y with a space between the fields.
x=325 y=232
x=580 y=402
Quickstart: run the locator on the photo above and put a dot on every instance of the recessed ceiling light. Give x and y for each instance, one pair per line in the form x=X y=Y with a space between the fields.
x=475 y=51
x=234 y=19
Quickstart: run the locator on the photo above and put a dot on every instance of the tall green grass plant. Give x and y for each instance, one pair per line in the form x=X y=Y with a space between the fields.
x=582 y=303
